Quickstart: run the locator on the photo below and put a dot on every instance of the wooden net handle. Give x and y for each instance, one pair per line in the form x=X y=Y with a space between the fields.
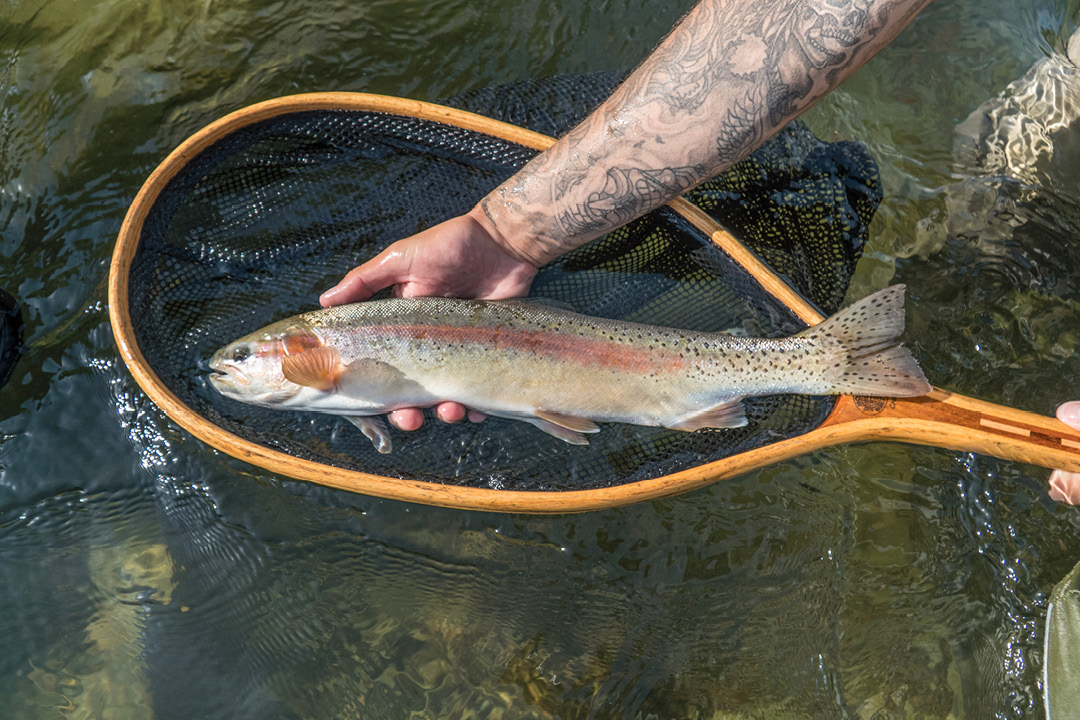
x=948 y=420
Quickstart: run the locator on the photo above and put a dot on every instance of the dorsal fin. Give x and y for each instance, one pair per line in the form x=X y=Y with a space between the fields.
x=318 y=368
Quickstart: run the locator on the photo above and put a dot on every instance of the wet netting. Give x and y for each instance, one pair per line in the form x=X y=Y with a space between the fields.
x=256 y=224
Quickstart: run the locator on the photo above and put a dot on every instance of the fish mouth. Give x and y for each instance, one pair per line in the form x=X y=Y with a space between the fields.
x=227 y=376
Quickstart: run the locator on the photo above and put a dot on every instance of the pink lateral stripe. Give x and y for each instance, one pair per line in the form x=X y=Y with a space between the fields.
x=554 y=346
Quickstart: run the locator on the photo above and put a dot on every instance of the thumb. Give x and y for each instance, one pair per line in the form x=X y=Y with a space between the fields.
x=385 y=269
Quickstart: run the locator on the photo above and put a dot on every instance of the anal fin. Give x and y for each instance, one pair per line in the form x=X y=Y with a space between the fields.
x=570 y=436
x=568 y=428
x=570 y=422
x=729 y=414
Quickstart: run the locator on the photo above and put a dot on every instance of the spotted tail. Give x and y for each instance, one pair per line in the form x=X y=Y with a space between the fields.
x=869 y=358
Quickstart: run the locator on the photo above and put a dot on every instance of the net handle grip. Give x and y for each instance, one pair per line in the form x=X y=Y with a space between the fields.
x=956 y=422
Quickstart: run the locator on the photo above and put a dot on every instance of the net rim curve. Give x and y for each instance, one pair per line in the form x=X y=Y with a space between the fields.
x=418 y=491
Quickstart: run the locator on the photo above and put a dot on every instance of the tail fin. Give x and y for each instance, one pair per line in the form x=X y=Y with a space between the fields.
x=872 y=360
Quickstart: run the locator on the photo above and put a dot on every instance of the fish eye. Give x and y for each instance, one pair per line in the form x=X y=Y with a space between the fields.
x=241 y=354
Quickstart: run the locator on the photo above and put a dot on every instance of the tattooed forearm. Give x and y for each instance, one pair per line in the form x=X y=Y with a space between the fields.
x=627 y=194
x=725 y=79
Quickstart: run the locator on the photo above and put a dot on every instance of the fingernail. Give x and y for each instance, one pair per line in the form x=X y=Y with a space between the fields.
x=327 y=298
x=1069 y=413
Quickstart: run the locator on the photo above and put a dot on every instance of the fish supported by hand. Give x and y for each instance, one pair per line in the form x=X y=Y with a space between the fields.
x=559 y=370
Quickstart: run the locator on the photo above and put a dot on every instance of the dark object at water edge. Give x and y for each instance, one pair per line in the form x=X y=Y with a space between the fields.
x=11 y=332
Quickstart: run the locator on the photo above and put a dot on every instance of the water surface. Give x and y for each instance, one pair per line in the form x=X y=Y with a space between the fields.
x=144 y=575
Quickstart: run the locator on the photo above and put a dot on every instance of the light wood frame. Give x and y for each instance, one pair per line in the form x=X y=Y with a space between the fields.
x=939 y=419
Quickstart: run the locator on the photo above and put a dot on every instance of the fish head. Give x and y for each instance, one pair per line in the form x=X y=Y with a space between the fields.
x=249 y=369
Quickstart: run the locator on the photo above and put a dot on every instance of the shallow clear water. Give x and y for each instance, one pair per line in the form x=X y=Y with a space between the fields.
x=144 y=575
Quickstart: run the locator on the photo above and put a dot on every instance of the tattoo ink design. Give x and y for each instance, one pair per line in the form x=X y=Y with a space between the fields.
x=625 y=196
x=725 y=79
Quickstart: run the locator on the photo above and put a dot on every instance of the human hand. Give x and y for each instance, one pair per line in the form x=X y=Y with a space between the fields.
x=457 y=258
x=1065 y=486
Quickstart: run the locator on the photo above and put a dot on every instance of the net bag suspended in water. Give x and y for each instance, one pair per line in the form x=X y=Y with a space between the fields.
x=251 y=218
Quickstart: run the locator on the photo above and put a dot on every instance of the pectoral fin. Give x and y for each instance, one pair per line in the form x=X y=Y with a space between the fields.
x=730 y=414
x=374 y=429
x=319 y=368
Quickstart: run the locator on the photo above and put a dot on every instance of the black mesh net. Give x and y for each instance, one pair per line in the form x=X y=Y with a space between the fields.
x=257 y=225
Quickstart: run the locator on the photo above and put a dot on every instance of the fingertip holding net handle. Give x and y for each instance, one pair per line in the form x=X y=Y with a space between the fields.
x=955 y=422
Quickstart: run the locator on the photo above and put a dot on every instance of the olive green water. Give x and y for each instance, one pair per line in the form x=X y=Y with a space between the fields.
x=143 y=575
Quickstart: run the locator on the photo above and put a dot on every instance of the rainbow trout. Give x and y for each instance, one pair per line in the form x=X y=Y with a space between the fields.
x=561 y=371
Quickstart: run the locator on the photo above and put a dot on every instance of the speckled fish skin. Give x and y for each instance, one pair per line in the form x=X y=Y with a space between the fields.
x=559 y=370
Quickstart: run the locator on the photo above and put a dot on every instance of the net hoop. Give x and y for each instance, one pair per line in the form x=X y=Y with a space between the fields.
x=940 y=419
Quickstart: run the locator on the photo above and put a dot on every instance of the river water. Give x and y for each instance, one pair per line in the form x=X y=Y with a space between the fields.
x=144 y=575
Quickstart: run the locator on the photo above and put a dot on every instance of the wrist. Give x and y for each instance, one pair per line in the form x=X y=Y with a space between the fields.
x=507 y=230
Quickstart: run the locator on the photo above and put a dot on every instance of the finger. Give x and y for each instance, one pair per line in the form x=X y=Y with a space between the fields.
x=385 y=269
x=407 y=419
x=450 y=412
x=477 y=416
x=352 y=288
x=1065 y=487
